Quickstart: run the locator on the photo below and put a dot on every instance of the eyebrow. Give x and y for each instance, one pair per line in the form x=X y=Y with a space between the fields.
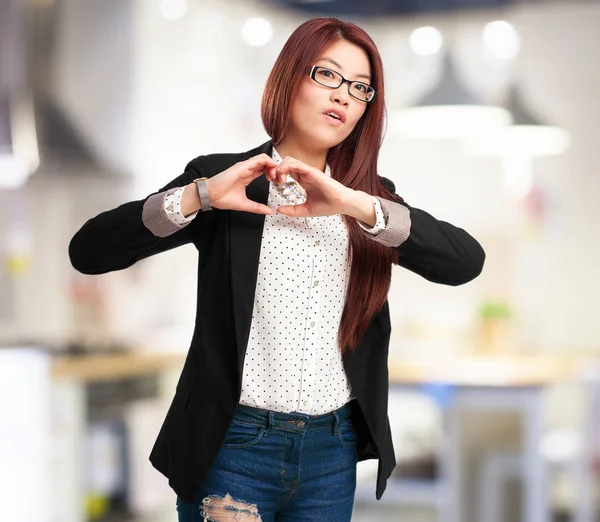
x=331 y=60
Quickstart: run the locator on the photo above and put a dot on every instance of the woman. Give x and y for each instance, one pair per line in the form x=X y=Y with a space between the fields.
x=285 y=383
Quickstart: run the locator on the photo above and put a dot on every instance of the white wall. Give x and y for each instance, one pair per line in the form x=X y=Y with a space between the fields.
x=551 y=271
x=92 y=75
x=198 y=91
x=155 y=96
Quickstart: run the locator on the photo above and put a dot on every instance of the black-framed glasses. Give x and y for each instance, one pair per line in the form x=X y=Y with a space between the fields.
x=333 y=79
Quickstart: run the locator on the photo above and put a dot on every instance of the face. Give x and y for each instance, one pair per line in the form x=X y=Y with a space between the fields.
x=309 y=123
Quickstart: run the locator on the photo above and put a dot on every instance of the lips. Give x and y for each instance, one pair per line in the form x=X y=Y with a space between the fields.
x=336 y=114
x=334 y=122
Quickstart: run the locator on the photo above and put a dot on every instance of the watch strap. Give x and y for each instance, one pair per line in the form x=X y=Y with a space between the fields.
x=203 y=193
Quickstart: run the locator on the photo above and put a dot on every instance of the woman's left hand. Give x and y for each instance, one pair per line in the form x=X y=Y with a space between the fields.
x=324 y=195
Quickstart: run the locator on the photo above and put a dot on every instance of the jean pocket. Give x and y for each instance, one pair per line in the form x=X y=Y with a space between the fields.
x=243 y=435
x=346 y=433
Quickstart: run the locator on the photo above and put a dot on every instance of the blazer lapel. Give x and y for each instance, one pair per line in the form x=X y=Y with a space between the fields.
x=246 y=230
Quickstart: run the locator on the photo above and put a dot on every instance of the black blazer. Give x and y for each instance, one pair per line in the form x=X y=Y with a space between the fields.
x=228 y=244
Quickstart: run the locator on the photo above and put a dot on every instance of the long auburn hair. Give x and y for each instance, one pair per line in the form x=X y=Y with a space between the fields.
x=353 y=162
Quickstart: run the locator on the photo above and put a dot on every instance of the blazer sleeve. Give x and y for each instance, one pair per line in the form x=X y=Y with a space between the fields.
x=436 y=250
x=118 y=238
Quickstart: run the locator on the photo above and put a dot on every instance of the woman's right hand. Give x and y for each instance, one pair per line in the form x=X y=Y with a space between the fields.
x=227 y=190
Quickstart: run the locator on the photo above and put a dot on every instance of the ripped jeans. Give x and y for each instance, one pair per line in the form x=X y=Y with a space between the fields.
x=280 y=467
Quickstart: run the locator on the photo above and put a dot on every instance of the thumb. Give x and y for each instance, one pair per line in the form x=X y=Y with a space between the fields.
x=257 y=208
x=293 y=210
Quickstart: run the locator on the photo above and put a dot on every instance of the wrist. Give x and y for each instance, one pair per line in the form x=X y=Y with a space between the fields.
x=190 y=200
x=210 y=190
x=360 y=206
x=202 y=187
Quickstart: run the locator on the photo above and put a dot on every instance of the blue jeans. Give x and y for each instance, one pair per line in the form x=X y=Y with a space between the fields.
x=280 y=467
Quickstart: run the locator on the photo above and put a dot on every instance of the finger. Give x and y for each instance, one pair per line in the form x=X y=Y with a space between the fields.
x=257 y=208
x=279 y=178
x=260 y=161
x=263 y=157
x=285 y=167
x=259 y=165
x=294 y=210
x=296 y=169
x=259 y=170
x=271 y=175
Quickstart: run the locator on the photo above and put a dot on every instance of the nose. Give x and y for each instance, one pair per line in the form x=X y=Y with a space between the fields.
x=341 y=94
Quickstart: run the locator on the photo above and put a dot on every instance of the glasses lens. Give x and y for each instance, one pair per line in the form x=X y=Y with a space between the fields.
x=327 y=77
x=362 y=91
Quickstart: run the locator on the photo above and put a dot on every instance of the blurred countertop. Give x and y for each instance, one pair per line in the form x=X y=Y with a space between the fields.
x=506 y=370
x=114 y=366
x=497 y=370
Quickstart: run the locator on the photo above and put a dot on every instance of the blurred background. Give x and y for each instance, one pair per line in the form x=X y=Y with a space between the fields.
x=492 y=124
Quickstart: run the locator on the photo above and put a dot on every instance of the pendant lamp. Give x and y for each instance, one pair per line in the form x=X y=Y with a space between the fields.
x=528 y=136
x=449 y=111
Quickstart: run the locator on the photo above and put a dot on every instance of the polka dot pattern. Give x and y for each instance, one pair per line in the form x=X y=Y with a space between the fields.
x=380 y=223
x=293 y=361
x=173 y=208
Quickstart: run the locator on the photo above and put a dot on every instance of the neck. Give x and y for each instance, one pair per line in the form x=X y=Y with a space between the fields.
x=315 y=157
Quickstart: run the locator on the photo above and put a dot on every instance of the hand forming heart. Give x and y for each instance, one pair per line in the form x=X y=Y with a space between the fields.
x=324 y=195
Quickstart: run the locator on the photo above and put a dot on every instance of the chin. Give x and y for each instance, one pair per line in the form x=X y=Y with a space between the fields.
x=325 y=141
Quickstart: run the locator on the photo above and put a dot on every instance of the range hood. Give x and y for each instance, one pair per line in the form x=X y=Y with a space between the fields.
x=19 y=153
x=35 y=133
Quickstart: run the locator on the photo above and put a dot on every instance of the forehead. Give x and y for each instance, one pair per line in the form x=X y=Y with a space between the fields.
x=347 y=58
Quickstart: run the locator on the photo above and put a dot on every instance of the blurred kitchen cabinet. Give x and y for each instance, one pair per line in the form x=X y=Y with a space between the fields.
x=24 y=434
x=106 y=413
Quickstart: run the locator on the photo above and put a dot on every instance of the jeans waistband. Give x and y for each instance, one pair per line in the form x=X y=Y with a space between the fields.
x=292 y=421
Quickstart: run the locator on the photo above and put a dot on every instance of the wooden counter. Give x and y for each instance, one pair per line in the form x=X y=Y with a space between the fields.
x=513 y=370
x=467 y=371
x=107 y=367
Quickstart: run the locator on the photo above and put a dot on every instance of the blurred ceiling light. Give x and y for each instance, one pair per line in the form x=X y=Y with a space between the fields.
x=257 y=31
x=426 y=41
x=526 y=137
x=447 y=112
x=501 y=40
x=19 y=156
x=173 y=9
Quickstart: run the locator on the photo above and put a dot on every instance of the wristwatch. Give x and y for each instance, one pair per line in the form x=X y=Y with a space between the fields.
x=203 y=193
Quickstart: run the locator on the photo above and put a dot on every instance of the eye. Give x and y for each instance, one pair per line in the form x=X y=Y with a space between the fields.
x=326 y=73
x=362 y=88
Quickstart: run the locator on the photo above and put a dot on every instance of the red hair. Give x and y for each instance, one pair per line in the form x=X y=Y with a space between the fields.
x=353 y=162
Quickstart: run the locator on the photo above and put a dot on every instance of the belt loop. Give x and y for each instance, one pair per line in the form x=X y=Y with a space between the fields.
x=270 y=423
x=336 y=422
